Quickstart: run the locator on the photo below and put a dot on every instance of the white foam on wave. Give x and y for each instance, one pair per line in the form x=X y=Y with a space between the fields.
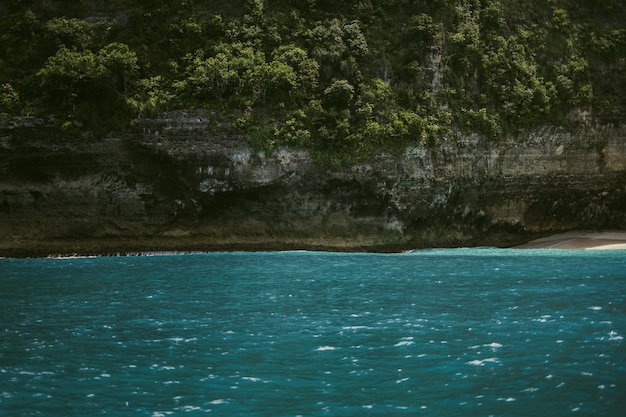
x=324 y=348
x=595 y=308
x=493 y=345
x=614 y=336
x=71 y=256
x=27 y=373
x=405 y=341
x=218 y=401
x=354 y=328
x=482 y=362
x=190 y=408
x=251 y=378
x=544 y=319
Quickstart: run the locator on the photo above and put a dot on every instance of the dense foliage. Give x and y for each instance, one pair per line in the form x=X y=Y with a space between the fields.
x=338 y=77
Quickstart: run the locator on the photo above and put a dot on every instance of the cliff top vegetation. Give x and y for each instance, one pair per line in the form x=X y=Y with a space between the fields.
x=341 y=78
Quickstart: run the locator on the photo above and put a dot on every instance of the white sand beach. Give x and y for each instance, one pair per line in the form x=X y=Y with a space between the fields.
x=600 y=240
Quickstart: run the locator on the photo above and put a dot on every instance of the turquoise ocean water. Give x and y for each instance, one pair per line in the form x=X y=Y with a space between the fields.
x=459 y=332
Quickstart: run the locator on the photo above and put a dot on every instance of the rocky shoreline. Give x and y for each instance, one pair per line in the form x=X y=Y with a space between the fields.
x=141 y=246
x=587 y=240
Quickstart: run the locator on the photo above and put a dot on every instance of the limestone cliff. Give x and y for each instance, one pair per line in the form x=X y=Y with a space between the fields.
x=171 y=184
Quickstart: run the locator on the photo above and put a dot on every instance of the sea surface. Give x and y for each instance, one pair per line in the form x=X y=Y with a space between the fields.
x=458 y=332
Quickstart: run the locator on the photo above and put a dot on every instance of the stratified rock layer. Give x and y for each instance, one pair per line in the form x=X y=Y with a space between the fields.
x=171 y=184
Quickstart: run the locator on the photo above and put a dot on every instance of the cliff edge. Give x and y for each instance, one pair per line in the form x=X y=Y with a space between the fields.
x=171 y=183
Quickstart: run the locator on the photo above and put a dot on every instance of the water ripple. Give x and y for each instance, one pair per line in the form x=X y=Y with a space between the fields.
x=448 y=332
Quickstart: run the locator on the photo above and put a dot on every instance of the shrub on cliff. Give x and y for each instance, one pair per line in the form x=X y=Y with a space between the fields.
x=343 y=77
x=90 y=86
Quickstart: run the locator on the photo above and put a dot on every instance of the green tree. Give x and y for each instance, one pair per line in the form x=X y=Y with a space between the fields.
x=306 y=70
x=226 y=76
x=77 y=34
x=152 y=96
x=339 y=94
x=9 y=101
x=120 y=64
x=213 y=77
x=274 y=81
x=88 y=85
x=338 y=46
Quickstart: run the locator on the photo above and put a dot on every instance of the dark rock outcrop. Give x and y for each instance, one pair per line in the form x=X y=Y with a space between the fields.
x=170 y=184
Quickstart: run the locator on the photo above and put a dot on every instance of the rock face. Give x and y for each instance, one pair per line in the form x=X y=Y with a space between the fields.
x=169 y=184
